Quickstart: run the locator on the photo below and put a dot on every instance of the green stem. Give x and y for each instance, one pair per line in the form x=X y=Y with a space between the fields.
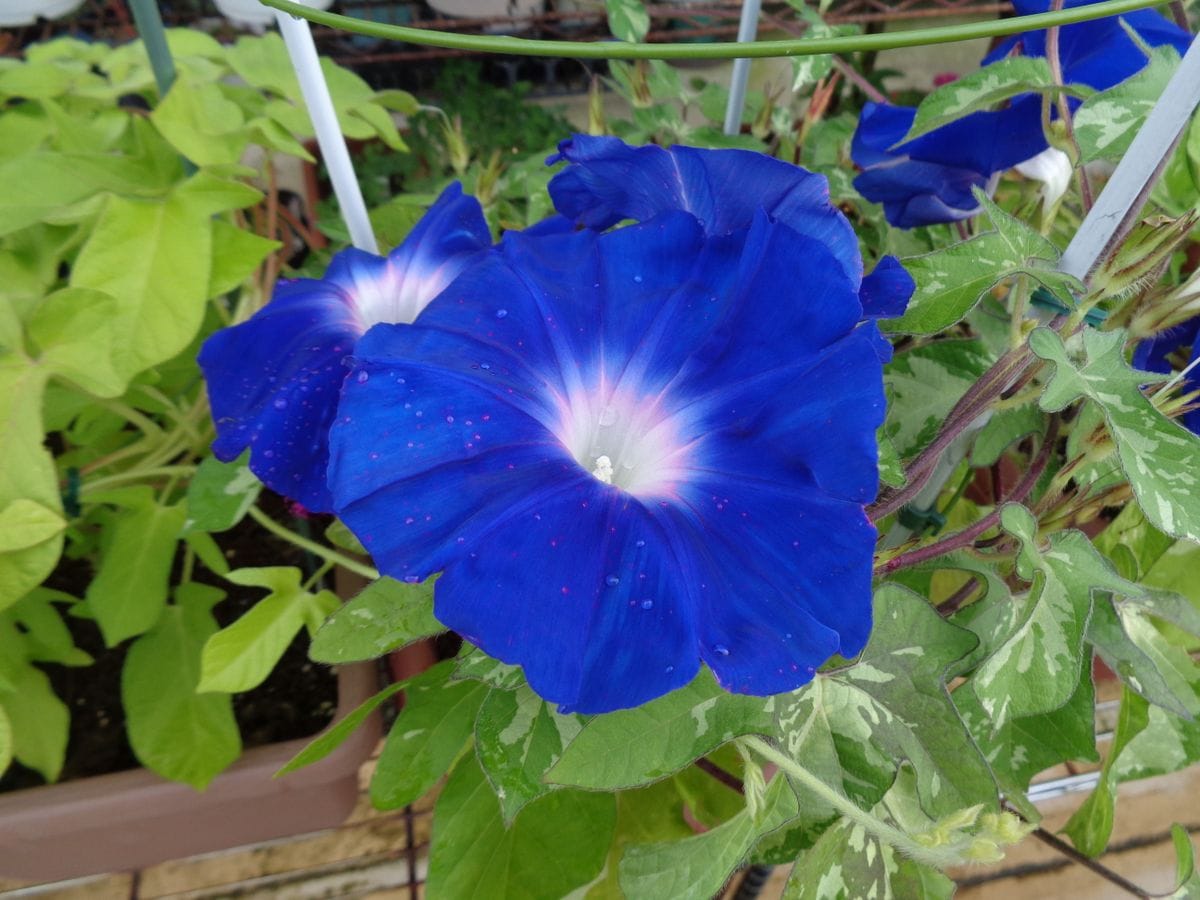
x=886 y=833
x=134 y=417
x=516 y=46
x=313 y=547
x=139 y=474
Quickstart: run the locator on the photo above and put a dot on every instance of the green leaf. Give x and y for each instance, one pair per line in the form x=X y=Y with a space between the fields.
x=1187 y=880
x=891 y=470
x=6 y=741
x=180 y=734
x=335 y=735
x=220 y=494
x=207 y=550
x=74 y=329
x=129 y=590
x=1002 y=430
x=32 y=186
x=46 y=637
x=1130 y=644
x=695 y=868
x=342 y=538
x=518 y=737
x=26 y=523
x=1168 y=744
x=39 y=721
x=924 y=384
x=1024 y=747
x=27 y=473
x=1090 y=826
x=201 y=123
x=986 y=88
x=430 y=733
x=1157 y=454
x=1038 y=640
x=854 y=727
x=846 y=863
x=239 y=657
x=632 y=746
x=206 y=194
x=649 y=814
x=627 y=19
x=1156 y=559
x=474 y=664
x=952 y=279
x=558 y=843
x=1106 y=122
x=386 y=615
x=154 y=257
x=236 y=255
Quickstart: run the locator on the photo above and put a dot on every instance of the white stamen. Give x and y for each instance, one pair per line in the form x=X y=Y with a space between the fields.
x=603 y=469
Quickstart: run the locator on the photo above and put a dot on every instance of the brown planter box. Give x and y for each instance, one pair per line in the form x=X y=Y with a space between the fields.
x=128 y=820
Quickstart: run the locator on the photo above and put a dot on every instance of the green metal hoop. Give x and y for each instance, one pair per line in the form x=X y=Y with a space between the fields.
x=516 y=46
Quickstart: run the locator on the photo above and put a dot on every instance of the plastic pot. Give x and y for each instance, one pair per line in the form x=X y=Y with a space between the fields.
x=129 y=820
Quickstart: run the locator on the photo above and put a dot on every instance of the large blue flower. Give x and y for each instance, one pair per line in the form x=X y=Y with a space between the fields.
x=273 y=381
x=930 y=180
x=607 y=181
x=1154 y=355
x=628 y=452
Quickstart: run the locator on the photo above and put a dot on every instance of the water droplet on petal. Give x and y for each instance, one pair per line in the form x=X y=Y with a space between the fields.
x=411 y=579
x=637 y=279
x=640 y=544
x=501 y=313
x=609 y=416
x=280 y=403
x=612 y=580
x=720 y=650
x=670 y=669
x=647 y=604
x=449 y=420
x=362 y=377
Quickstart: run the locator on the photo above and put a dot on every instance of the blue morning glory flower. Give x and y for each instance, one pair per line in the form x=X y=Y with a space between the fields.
x=608 y=181
x=930 y=180
x=273 y=381
x=1152 y=355
x=628 y=452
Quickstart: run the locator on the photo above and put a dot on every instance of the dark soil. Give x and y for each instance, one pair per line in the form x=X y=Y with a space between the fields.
x=296 y=700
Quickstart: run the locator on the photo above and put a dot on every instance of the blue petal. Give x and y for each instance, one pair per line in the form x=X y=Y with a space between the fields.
x=916 y=193
x=1098 y=53
x=608 y=181
x=1151 y=354
x=986 y=142
x=886 y=291
x=583 y=589
x=273 y=381
x=783 y=588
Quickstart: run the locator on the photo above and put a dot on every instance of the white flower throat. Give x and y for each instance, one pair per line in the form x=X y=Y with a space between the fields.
x=626 y=441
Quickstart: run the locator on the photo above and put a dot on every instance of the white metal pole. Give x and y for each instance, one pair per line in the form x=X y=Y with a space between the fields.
x=747 y=31
x=1138 y=169
x=303 y=52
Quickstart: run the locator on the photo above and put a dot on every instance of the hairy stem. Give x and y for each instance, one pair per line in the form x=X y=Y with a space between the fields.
x=967 y=536
x=970 y=406
x=1064 y=110
x=351 y=565
x=884 y=832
